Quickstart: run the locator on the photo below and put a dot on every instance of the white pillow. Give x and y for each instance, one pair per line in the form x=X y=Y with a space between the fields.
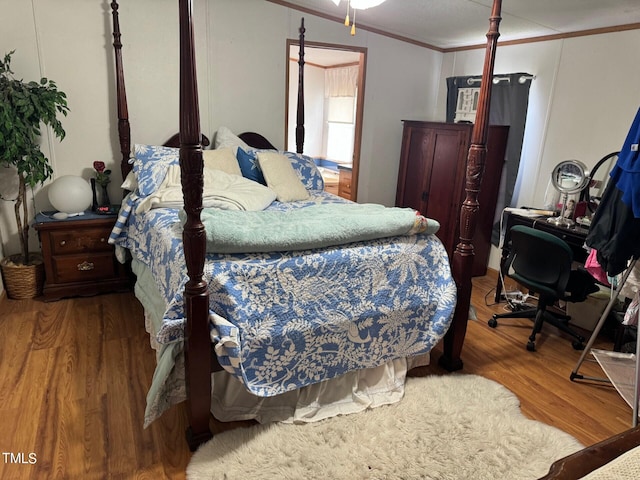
x=226 y=138
x=222 y=159
x=130 y=183
x=281 y=177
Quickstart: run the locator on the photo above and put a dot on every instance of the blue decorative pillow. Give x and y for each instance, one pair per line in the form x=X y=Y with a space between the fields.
x=307 y=170
x=249 y=167
x=151 y=163
x=150 y=166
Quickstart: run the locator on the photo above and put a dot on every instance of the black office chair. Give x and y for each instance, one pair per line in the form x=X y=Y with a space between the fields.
x=542 y=263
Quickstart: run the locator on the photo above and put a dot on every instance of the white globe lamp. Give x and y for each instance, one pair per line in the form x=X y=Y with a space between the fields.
x=70 y=194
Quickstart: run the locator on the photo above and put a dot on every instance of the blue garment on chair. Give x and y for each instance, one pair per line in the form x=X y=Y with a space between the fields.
x=626 y=172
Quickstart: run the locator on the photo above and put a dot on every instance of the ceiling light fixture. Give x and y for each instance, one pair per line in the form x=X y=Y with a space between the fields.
x=361 y=4
x=357 y=5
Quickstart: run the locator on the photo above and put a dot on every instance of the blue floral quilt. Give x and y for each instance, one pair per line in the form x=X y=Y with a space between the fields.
x=283 y=320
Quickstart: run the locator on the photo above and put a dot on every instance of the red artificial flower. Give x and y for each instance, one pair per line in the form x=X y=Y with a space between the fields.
x=99 y=166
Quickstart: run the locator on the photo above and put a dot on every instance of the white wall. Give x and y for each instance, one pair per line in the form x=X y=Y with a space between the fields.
x=313 y=108
x=581 y=104
x=70 y=42
x=582 y=100
x=401 y=84
x=255 y=101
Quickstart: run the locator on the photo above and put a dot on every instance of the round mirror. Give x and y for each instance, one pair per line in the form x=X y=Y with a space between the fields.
x=568 y=177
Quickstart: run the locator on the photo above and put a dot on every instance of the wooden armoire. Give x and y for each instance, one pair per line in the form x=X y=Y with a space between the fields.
x=431 y=179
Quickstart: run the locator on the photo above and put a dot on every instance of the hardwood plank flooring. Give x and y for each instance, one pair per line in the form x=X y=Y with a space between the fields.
x=74 y=376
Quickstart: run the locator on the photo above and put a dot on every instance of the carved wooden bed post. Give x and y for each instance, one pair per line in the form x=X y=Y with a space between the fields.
x=300 y=108
x=124 y=130
x=463 y=255
x=197 y=343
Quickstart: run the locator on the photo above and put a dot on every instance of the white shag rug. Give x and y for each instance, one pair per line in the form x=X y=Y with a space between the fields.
x=446 y=427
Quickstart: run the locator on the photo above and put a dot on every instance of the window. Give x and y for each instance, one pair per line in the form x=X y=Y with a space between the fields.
x=340 y=128
x=341 y=87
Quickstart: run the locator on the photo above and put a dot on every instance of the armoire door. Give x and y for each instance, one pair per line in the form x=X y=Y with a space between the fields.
x=429 y=179
x=445 y=182
x=413 y=179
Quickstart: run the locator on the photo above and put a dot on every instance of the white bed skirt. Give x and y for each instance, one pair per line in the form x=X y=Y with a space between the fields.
x=350 y=393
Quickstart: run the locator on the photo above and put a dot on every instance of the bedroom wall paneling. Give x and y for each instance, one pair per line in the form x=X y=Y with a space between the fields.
x=595 y=99
x=402 y=82
x=247 y=66
x=431 y=176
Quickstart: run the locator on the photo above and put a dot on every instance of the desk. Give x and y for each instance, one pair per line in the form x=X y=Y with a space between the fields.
x=574 y=236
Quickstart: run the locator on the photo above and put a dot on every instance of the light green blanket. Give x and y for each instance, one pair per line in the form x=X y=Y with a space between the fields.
x=311 y=227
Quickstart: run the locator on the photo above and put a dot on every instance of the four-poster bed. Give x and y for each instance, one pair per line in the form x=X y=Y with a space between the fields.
x=200 y=357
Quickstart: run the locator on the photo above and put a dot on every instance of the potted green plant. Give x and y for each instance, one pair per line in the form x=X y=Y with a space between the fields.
x=24 y=106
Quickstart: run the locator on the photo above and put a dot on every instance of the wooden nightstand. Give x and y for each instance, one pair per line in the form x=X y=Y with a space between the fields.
x=344 y=184
x=78 y=260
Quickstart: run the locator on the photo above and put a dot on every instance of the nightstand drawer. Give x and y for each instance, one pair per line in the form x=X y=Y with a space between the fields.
x=344 y=185
x=76 y=241
x=83 y=268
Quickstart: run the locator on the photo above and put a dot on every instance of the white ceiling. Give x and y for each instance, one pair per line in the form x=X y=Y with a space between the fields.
x=457 y=23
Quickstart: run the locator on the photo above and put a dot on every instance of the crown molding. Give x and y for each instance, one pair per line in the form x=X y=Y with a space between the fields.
x=542 y=38
x=547 y=38
x=360 y=26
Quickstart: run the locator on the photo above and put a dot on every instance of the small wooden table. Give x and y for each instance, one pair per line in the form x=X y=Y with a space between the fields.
x=78 y=259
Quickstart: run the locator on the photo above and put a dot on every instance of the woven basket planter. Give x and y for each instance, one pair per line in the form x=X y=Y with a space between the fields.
x=22 y=281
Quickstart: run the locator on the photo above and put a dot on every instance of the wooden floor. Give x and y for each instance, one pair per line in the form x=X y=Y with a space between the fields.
x=74 y=375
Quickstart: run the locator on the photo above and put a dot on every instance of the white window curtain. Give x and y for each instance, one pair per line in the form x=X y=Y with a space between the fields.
x=341 y=81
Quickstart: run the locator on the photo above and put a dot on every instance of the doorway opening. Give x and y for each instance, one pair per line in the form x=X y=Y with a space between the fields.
x=334 y=79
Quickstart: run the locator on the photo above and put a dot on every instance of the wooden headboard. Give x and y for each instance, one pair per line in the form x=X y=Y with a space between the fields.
x=256 y=140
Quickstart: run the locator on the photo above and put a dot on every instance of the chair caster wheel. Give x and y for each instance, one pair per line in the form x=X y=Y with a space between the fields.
x=577 y=345
x=531 y=346
x=493 y=323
